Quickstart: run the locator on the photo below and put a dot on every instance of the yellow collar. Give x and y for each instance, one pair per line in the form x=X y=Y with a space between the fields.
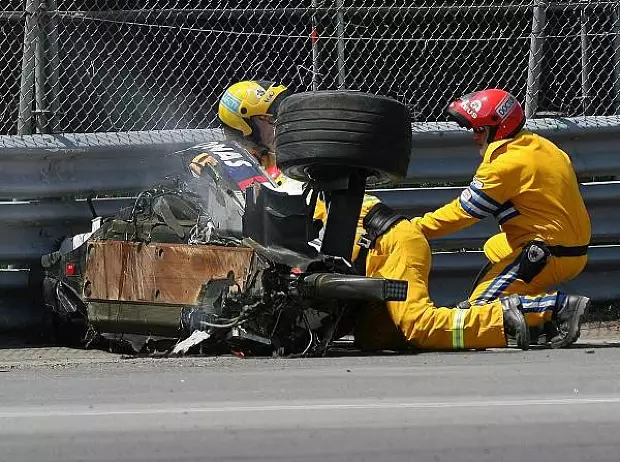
x=495 y=145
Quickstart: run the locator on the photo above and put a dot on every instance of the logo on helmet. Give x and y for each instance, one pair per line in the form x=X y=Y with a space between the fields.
x=472 y=107
x=269 y=97
x=475 y=105
x=230 y=102
x=505 y=108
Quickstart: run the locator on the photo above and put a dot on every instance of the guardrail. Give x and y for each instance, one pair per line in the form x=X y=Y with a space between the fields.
x=48 y=166
x=53 y=166
x=40 y=173
x=30 y=229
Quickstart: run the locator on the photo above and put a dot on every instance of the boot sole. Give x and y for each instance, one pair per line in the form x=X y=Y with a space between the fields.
x=573 y=334
x=523 y=340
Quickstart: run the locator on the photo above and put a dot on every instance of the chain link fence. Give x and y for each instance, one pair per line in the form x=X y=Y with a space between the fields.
x=122 y=65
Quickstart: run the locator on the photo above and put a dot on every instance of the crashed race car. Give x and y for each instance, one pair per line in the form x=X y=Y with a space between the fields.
x=212 y=265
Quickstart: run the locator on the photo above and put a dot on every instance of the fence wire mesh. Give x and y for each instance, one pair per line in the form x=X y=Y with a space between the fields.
x=123 y=65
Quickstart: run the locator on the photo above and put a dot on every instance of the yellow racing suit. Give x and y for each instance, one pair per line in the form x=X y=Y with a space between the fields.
x=404 y=253
x=528 y=184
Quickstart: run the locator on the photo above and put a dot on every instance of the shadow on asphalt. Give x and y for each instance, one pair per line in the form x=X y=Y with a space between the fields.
x=595 y=335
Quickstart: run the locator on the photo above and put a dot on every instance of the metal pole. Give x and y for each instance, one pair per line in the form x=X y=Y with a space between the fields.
x=315 y=49
x=46 y=69
x=26 y=92
x=40 y=112
x=53 y=69
x=340 y=43
x=586 y=87
x=537 y=42
x=616 y=58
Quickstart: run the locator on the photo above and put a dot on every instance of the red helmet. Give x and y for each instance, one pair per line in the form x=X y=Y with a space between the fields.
x=493 y=108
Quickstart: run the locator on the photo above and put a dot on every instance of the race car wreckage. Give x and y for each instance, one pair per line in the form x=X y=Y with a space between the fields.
x=214 y=268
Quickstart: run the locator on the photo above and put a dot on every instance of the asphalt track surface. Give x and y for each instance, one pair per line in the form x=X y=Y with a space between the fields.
x=502 y=405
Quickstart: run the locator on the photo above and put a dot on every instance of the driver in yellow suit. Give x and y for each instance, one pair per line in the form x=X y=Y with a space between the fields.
x=400 y=251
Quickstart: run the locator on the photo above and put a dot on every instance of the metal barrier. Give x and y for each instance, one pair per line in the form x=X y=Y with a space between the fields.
x=48 y=166
x=52 y=166
x=31 y=229
x=44 y=170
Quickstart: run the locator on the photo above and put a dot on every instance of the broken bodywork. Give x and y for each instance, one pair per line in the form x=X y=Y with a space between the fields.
x=125 y=281
x=190 y=257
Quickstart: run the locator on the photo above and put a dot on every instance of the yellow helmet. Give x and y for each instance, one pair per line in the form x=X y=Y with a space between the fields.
x=247 y=99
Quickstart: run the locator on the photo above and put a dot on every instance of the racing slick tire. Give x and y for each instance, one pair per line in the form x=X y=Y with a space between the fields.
x=323 y=135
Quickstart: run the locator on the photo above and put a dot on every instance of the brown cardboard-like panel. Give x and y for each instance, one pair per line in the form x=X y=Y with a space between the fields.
x=159 y=273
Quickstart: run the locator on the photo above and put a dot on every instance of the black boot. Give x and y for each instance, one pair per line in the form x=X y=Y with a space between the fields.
x=514 y=321
x=568 y=320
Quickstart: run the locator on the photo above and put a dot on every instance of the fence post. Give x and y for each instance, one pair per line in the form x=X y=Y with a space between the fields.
x=47 y=99
x=314 y=36
x=537 y=42
x=40 y=109
x=26 y=92
x=586 y=86
x=340 y=43
x=616 y=58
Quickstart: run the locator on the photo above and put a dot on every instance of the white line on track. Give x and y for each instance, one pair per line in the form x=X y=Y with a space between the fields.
x=27 y=413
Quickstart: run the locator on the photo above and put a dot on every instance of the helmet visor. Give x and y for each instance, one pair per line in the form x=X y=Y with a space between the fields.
x=457 y=114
